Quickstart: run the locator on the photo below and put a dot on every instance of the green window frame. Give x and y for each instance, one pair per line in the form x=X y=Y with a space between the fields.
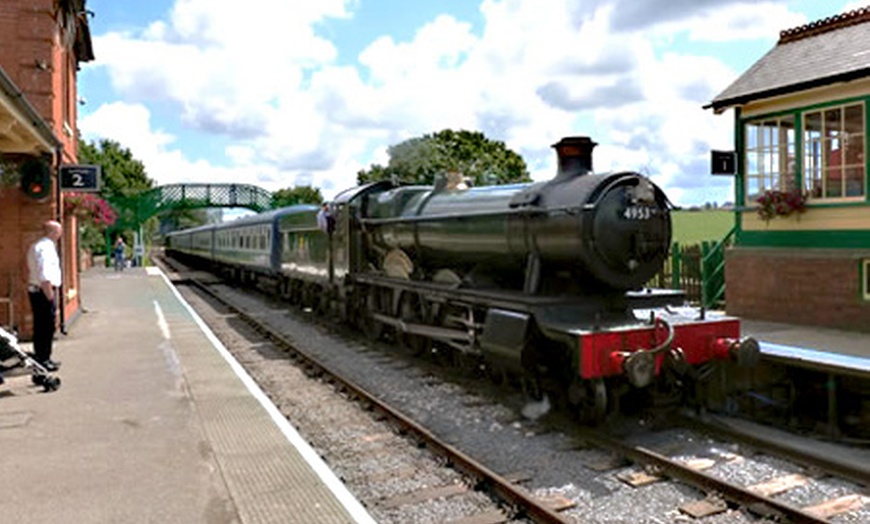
x=769 y=159
x=834 y=139
x=821 y=149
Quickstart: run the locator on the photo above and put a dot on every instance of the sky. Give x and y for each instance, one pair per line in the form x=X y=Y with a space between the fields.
x=280 y=93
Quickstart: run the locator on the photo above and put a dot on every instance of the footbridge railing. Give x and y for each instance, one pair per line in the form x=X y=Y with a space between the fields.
x=187 y=196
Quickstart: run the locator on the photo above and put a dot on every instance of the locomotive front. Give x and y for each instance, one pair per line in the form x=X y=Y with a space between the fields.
x=579 y=232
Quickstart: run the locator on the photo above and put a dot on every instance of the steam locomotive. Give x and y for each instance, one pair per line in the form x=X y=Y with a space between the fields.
x=542 y=282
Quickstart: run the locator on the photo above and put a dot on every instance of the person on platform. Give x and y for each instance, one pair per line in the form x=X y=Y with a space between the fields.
x=119 y=254
x=325 y=220
x=43 y=265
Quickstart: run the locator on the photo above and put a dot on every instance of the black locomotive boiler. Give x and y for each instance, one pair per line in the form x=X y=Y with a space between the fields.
x=543 y=282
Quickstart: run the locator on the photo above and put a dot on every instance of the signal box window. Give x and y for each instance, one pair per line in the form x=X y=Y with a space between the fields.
x=834 y=152
x=770 y=152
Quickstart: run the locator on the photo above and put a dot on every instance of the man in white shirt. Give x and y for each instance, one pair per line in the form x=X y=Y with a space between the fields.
x=324 y=219
x=43 y=265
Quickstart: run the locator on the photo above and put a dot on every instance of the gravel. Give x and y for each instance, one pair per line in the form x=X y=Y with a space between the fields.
x=486 y=422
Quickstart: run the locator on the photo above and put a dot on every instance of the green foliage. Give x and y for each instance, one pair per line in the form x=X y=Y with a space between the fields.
x=123 y=179
x=420 y=160
x=123 y=175
x=296 y=195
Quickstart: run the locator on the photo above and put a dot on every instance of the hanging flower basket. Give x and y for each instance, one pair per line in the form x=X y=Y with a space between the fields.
x=774 y=203
x=90 y=207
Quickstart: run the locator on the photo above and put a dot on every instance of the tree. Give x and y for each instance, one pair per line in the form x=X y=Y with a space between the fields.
x=419 y=160
x=122 y=175
x=296 y=195
x=123 y=180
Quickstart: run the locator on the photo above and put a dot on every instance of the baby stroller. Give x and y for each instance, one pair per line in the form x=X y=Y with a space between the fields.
x=9 y=350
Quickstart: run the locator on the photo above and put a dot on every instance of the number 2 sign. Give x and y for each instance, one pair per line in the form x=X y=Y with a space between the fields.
x=79 y=178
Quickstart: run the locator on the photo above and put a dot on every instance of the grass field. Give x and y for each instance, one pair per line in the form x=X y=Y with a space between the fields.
x=692 y=227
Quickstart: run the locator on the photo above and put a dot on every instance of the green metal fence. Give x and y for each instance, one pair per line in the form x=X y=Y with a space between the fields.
x=697 y=269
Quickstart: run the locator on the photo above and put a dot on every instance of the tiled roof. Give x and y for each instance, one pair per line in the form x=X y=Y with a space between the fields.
x=832 y=50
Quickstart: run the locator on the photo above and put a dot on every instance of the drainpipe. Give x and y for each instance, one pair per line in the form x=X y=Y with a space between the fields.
x=59 y=213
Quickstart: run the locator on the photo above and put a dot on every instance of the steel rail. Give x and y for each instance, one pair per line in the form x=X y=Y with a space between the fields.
x=755 y=502
x=856 y=472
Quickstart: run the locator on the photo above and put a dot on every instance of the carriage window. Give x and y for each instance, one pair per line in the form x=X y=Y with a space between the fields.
x=834 y=152
x=769 y=160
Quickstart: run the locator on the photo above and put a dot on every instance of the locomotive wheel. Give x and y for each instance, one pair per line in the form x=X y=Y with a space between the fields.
x=411 y=311
x=589 y=398
x=532 y=387
x=497 y=375
x=322 y=302
x=294 y=294
x=309 y=298
x=371 y=328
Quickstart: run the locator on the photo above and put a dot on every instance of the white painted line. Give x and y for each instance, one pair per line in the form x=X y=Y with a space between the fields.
x=816 y=356
x=166 y=347
x=344 y=496
x=161 y=321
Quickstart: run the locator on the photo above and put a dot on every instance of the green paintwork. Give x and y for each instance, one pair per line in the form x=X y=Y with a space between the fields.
x=805 y=239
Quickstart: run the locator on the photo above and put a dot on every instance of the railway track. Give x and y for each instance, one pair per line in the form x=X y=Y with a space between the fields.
x=510 y=502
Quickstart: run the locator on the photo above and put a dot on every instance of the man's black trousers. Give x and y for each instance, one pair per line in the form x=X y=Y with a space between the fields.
x=44 y=311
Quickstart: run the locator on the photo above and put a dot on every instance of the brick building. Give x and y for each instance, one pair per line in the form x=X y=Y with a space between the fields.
x=42 y=42
x=801 y=135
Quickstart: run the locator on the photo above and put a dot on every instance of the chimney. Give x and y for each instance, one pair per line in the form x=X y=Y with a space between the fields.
x=575 y=156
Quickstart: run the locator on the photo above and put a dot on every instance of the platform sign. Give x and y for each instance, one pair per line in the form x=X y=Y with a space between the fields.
x=84 y=178
x=723 y=162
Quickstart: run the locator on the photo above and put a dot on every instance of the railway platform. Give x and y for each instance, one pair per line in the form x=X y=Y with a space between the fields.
x=154 y=422
x=847 y=352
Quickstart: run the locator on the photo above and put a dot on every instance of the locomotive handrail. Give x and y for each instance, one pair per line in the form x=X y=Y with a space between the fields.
x=568 y=210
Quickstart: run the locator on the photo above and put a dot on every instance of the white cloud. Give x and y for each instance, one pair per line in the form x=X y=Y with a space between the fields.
x=536 y=71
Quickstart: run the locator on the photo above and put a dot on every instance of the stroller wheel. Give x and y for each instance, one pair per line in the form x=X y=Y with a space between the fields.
x=38 y=379
x=51 y=383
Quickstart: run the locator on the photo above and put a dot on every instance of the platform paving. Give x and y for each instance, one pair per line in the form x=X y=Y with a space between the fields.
x=154 y=423
x=833 y=347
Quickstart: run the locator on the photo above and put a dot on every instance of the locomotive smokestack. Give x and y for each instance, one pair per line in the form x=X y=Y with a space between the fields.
x=575 y=156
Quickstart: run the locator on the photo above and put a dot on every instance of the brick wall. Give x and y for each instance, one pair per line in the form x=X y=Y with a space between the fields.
x=31 y=54
x=21 y=221
x=797 y=286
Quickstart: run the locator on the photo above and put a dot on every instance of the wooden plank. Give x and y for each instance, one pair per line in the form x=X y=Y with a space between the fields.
x=836 y=506
x=704 y=508
x=779 y=485
x=516 y=477
x=638 y=478
x=699 y=464
x=556 y=502
x=423 y=495
x=489 y=517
